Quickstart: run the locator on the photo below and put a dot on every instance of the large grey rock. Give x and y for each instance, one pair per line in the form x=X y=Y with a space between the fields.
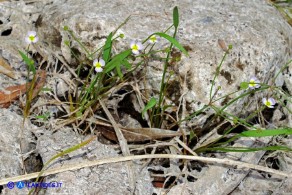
x=260 y=37
x=13 y=155
x=261 y=41
x=103 y=179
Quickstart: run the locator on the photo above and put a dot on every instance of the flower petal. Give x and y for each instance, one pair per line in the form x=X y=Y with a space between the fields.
x=264 y=100
x=31 y=33
x=136 y=52
x=140 y=46
x=94 y=62
x=272 y=100
x=35 y=39
x=101 y=61
x=98 y=69
x=27 y=40
x=132 y=44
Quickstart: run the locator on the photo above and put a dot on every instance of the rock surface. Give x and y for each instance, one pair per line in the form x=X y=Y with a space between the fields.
x=103 y=179
x=11 y=158
x=260 y=37
x=261 y=44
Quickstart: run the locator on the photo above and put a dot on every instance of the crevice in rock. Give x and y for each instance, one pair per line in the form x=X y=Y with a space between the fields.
x=285 y=88
x=127 y=107
x=211 y=122
x=191 y=178
x=268 y=114
x=34 y=163
x=6 y=32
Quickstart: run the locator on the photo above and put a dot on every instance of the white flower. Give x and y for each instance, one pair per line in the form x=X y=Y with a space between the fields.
x=154 y=39
x=31 y=37
x=254 y=83
x=270 y=102
x=98 y=64
x=136 y=47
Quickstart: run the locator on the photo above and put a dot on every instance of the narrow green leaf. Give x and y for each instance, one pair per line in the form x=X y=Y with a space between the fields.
x=28 y=61
x=192 y=135
x=175 y=17
x=243 y=149
x=44 y=117
x=266 y=132
x=152 y=102
x=46 y=89
x=173 y=41
x=107 y=48
x=119 y=71
x=117 y=60
x=127 y=64
x=78 y=114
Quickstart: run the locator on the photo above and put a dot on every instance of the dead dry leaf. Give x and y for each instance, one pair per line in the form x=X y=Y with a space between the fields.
x=41 y=80
x=6 y=69
x=10 y=94
x=138 y=134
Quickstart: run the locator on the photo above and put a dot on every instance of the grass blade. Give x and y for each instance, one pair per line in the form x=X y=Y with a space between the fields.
x=107 y=48
x=265 y=133
x=243 y=149
x=28 y=61
x=119 y=71
x=173 y=41
x=127 y=64
x=117 y=60
x=152 y=102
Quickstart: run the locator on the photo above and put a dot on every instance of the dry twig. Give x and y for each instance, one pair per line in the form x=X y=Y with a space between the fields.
x=70 y=167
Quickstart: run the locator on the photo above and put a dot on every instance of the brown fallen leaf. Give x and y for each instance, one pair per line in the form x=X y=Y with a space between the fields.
x=6 y=69
x=138 y=134
x=222 y=44
x=10 y=94
x=41 y=80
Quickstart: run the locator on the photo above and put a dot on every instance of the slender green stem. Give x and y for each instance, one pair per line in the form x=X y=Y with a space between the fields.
x=281 y=70
x=85 y=98
x=79 y=42
x=159 y=111
x=217 y=73
x=243 y=95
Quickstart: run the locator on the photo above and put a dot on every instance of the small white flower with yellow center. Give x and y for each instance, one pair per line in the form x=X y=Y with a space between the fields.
x=254 y=83
x=31 y=37
x=98 y=64
x=270 y=102
x=154 y=39
x=136 y=47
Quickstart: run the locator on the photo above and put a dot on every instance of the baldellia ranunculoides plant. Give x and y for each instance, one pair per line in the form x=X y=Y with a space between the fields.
x=31 y=38
x=109 y=69
x=158 y=106
x=275 y=95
